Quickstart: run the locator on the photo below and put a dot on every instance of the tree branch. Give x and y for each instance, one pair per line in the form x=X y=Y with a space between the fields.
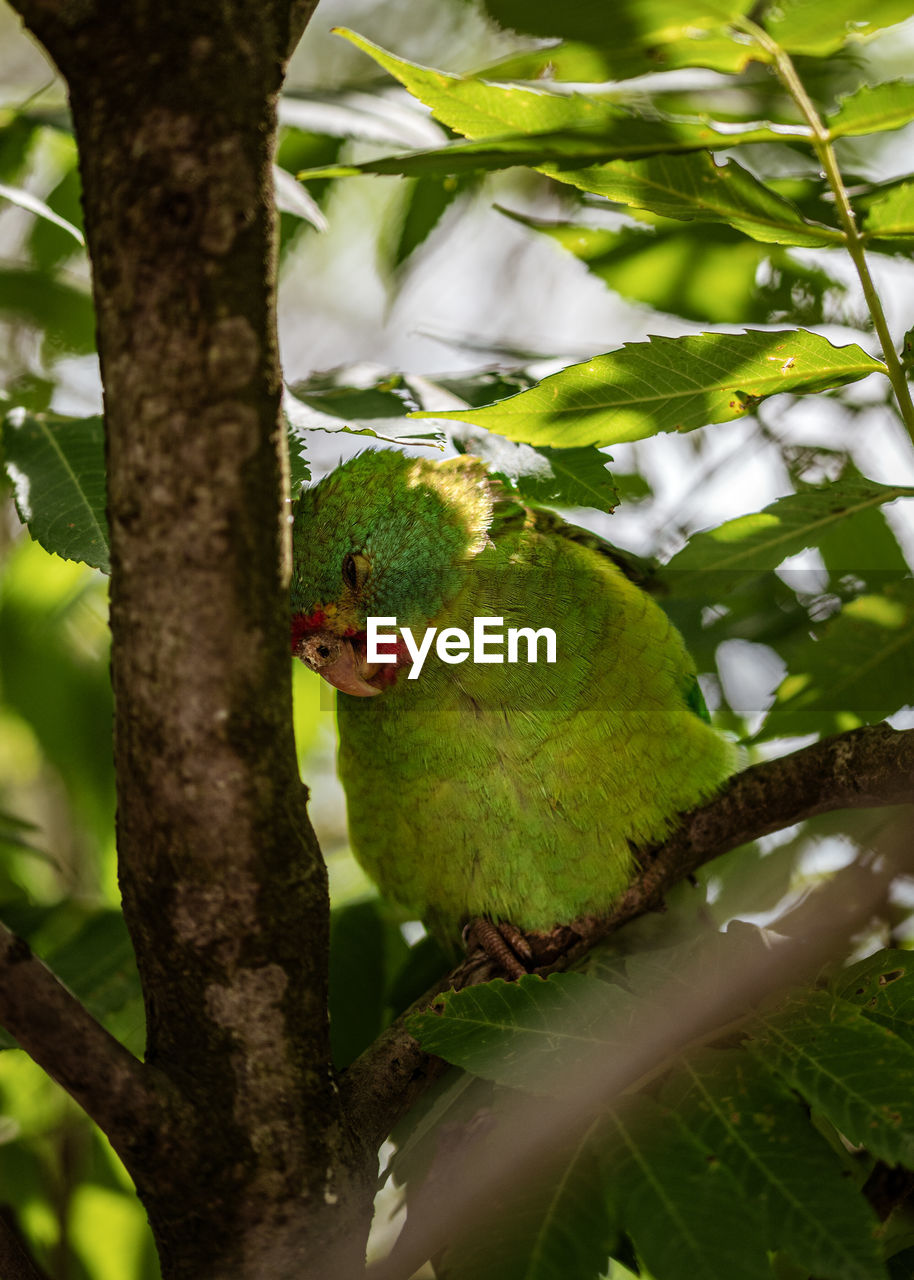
x=871 y=767
x=60 y=1034
x=224 y=888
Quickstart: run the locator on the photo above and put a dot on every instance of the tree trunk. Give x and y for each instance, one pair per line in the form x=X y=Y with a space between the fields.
x=251 y=1172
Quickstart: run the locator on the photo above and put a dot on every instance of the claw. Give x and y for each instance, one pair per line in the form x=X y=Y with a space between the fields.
x=503 y=943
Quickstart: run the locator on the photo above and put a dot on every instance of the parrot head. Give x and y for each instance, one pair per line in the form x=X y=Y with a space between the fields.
x=382 y=536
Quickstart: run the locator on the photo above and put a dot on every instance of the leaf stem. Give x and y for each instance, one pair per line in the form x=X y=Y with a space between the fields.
x=822 y=142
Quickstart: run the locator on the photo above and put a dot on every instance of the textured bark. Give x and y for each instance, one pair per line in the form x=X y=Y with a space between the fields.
x=224 y=889
x=872 y=767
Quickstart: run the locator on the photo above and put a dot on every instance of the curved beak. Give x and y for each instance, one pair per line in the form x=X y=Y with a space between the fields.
x=337 y=661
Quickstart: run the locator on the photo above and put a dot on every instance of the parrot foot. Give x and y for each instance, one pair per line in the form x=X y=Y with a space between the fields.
x=503 y=943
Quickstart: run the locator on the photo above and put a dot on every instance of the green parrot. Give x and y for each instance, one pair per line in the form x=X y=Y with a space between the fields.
x=510 y=793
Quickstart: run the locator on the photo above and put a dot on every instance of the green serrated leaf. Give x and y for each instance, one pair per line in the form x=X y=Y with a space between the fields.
x=517 y=1033
x=540 y=1034
x=510 y=125
x=759 y=1130
x=668 y=384
x=856 y=672
x=873 y=109
x=427 y=202
x=299 y=467
x=718 y=560
x=627 y=137
x=855 y=1071
x=323 y=404
x=57 y=466
x=891 y=215
x=571 y=478
x=643 y=36
x=686 y=1215
x=479 y=109
x=820 y=27
x=390 y=398
x=642 y=22
x=582 y=63
x=883 y=987
x=694 y=187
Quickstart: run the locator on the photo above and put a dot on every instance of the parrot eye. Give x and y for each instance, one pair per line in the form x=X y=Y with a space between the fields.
x=355 y=570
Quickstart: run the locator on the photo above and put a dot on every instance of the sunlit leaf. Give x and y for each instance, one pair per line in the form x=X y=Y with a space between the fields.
x=643 y=36
x=862 y=551
x=892 y=213
x=624 y=137
x=821 y=26
x=716 y=561
x=640 y=22
x=582 y=63
x=694 y=187
x=481 y=109
x=57 y=466
x=548 y=477
x=873 y=109
x=520 y=125
x=299 y=467
x=668 y=384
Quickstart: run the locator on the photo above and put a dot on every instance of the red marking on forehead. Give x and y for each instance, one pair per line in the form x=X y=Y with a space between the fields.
x=303 y=623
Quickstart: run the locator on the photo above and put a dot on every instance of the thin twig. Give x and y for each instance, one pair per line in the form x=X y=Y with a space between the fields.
x=822 y=143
